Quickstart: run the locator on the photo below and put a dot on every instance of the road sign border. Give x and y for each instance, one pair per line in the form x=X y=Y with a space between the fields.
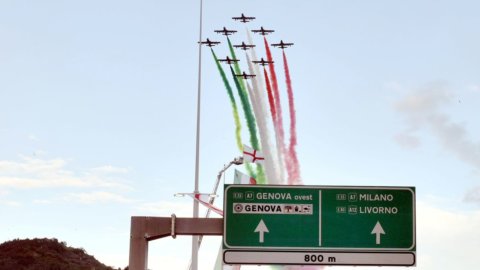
x=411 y=189
x=316 y=251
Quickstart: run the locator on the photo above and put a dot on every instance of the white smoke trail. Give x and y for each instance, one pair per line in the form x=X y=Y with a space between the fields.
x=262 y=128
x=276 y=158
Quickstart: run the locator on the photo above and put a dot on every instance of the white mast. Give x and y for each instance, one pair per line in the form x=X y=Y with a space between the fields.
x=197 y=143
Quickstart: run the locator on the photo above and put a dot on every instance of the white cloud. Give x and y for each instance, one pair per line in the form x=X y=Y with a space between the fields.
x=473 y=195
x=43 y=201
x=26 y=183
x=425 y=100
x=422 y=109
x=53 y=173
x=109 y=169
x=10 y=203
x=407 y=140
x=447 y=239
x=394 y=86
x=474 y=88
x=96 y=197
x=33 y=137
x=30 y=165
x=4 y=201
x=39 y=153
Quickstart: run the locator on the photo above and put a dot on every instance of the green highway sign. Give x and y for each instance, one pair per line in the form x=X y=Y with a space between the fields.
x=376 y=224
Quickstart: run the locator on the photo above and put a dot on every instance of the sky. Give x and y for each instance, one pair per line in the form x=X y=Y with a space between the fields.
x=98 y=114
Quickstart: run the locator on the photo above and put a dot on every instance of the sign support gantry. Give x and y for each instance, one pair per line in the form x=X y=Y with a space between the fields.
x=144 y=229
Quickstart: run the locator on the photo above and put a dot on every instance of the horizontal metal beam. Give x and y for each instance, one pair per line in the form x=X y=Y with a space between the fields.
x=158 y=227
x=144 y=229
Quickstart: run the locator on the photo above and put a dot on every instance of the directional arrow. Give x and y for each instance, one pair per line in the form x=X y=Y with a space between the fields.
x=261 y=229
x=378 y=230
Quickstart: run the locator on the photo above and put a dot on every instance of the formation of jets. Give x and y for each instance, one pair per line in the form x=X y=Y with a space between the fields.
x=282 y=45
x=225 y=31
x=245 y=76
x=263 y=31
x=243 y=18
x=263 y=62
x=209 y=43
x=228 y=60
x=244 y=46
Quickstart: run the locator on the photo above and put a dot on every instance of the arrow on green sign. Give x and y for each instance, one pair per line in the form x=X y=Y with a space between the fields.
x=261 y=229
x=378 y=230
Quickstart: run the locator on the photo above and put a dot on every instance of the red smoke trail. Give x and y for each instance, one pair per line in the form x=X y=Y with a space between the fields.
x=278 y=109
x=276 y=93
x=295 y=170
x=271 y=99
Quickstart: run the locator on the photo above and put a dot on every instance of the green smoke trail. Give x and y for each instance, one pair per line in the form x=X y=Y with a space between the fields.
x=251 y=123
x=236 y=66
x=238 y=126
x=247 y=109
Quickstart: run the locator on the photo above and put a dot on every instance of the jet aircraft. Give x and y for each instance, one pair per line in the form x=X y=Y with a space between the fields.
x=262 y=62
x=225 y=31
x=229 y=60
x=245 y=76
x=243 y=18
x=282 y=45
x=263 y=31
x=244 y=46
x=209 y=43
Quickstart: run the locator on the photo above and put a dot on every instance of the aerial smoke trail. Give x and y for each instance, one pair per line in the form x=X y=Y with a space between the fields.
x=273 y=75
x=276 y=93
x=251 y=124
x=238 y=126
x=278 y=138
x=278 y=124
x=261 y=124
x=248 y=113
x=242 y=92
x=257 y=69
x=294 y=169
x=236 y=66
x=275 y=172
x=271 y=99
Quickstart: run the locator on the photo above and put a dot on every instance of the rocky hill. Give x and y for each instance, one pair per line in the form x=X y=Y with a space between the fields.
x=45 y=254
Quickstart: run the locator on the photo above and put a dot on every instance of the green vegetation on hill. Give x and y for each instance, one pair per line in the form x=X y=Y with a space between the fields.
x=45 y=254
